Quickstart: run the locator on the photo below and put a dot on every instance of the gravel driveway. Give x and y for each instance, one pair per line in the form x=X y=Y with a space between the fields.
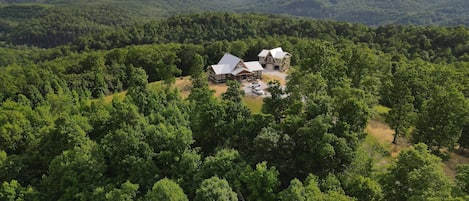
x=247 y=85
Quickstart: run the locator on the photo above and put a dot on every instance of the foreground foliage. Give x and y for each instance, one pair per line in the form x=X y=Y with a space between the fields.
x=59 y=139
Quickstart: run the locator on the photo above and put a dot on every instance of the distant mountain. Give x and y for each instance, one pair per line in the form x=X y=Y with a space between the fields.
x=370 y=12
x=375 y=12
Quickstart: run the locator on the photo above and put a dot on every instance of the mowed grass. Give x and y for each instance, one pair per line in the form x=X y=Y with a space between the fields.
x=254 y=103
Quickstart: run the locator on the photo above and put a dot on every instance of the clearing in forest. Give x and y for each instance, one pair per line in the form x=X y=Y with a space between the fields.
x=384 y=135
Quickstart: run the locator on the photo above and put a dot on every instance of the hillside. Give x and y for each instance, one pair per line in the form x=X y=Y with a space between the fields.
x=370 y=12
x=62 y=139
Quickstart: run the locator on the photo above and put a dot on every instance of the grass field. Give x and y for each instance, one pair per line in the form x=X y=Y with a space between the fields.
x=382 y=134
x=254 y=103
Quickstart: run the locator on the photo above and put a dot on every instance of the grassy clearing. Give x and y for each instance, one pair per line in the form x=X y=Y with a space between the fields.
x=372 y=149
x=254 y=103
x=268 y=78
x=381 y=110
x=458 y=157
x=383 y=135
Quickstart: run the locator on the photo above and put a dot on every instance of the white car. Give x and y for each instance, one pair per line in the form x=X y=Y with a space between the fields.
x=258 y=91
x=255 y=85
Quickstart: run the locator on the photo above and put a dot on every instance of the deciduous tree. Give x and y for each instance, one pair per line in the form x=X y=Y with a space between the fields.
x=215 y=189
x=165 y=190
x=442 y=118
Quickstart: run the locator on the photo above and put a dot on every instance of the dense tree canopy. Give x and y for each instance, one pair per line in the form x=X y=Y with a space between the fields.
x=63 y=136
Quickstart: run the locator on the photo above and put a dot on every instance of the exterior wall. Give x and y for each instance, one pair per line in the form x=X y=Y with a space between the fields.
x=262 y=60
x=217 y=78
x=212 y=76
x=257 y=74
x=275 y=64
x=285 y=63
x=223 y=78
x=269 y=59
x=269 y=62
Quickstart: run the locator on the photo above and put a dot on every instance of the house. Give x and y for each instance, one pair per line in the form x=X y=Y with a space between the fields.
x=231 y=67
x=275 y=59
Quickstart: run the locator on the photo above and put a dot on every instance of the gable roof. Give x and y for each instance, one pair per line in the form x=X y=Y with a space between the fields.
x=221 y=69
x=253 y=66
x=277 y=53
x=228 y=64
x=263 y=53
x=229 y=59
x=239 y=70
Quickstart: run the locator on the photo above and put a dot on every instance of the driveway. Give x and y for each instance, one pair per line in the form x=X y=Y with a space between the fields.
x=276 y=73
x=248 y=89
x=247 y=85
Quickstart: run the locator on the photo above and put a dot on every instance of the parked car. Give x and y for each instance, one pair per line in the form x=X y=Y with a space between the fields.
x=255 y=85
x=258 y=91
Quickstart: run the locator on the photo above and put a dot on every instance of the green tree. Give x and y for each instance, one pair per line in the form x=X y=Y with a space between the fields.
x=462 y=179
x=442 y=118
x=331 y=183
x=262 y=183
x=296 y=191
x=402 y=114
x=197 y=66
x=66 y=134
x=129 y=156
x=416 y=175
x=215 y=189
x=363 y=188
x=309 y=191
x=276 y=103
x=464 y=139
x=13 y=191
x=127 y=192
x=206 y=119
x=94 y=70
x=165 y=189
x=15 y=128
x=312 y=191
x=273 y=146
x=233 y=93
x=227 y=164
x=75 y=173
x=318 y=150
x=239 y=48
x=137 y=90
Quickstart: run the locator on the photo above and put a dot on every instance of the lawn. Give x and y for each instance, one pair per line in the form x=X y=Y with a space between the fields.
x=254 y=103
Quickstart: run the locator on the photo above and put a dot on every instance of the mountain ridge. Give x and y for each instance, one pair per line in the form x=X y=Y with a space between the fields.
x=369 y=12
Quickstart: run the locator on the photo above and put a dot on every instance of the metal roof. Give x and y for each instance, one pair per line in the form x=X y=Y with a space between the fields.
x=277 y=53
x=229 y=64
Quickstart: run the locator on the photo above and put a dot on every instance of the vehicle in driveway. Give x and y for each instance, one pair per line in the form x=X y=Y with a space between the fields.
x=255 y=85
x=258 y=91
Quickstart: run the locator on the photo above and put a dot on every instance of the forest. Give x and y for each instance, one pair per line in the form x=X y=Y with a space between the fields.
x=369 y=12
x=64 y=135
